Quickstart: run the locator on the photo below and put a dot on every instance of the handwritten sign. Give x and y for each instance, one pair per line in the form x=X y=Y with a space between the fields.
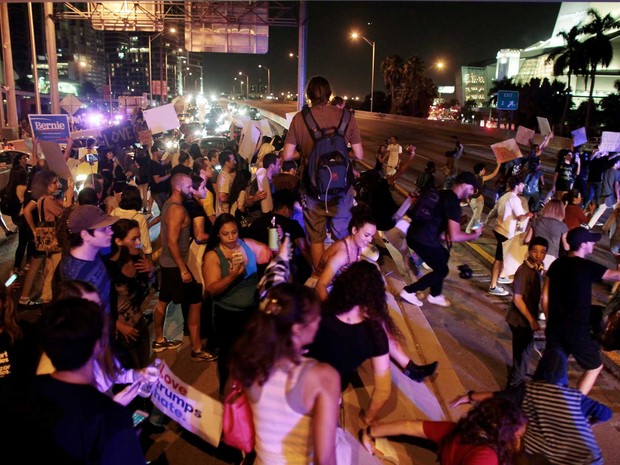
x=52 y=128
x=162 y=118
x=119 y=136
x=543 y=125
x=610 y=142
x=579 y=137
x=506 y=151
x=524 y=135
x=196 y=412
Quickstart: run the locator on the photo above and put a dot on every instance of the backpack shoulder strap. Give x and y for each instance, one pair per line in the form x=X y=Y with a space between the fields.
x=344 y=122
x=314 y=128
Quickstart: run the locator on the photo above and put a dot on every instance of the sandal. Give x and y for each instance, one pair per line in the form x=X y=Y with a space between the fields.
x=367 y=440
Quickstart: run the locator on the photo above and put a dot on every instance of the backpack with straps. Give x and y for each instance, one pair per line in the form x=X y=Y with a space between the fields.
x=328 y=172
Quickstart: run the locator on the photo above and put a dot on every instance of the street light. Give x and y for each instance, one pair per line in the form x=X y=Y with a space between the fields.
x=151 y=39
x=372 y=43
x=247 y=84
x=268 y=78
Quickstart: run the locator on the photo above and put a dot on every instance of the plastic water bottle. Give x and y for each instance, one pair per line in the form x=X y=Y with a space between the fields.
x=149 y=379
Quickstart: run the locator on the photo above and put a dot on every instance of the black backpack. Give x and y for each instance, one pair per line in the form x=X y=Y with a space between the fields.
x=9 y=204
x=327 y=174
x=423 y=209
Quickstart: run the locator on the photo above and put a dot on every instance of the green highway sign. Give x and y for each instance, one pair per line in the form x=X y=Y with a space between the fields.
x=507 y=100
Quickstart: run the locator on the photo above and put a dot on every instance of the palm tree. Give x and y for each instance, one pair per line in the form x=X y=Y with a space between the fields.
x=570 y=58
x=598 y=49
x=392 y=69
x=413 y=83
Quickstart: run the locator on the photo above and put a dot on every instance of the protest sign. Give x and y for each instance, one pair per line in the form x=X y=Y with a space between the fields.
x=52 y=128
x=506 y=151
x=119 y=136
x=55 y=158
x=543 y=125
x=196 y=412
x=610 y=142
x=162 y=118
x=524 y=135
x=579 y=137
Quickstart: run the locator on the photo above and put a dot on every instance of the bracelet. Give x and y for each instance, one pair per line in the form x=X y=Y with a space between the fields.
x=469 y=394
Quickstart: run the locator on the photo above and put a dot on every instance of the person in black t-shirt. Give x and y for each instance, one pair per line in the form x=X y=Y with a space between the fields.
x=427 y=239
x=567 y=301
x=159 y=181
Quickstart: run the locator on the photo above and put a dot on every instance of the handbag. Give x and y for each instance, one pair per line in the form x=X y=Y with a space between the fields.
x=45 y=237
x=237 y=421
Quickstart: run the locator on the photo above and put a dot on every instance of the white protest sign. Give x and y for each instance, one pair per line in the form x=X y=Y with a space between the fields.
x=55 y=158
x=196 y=412
x=524 y=135
x=579 y=137
x=506 y=151
x=161 y=118
x=610 y=142
x=543 y=124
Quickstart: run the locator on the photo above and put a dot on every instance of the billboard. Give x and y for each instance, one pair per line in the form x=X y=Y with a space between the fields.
x=214 y=33
x=127 y=16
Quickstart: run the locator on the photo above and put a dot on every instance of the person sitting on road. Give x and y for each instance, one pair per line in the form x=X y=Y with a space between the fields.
x=490 y=433
x=356 y=327
x=559 y=418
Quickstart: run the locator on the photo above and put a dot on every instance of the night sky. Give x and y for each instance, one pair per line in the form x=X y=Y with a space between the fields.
x=458 y=33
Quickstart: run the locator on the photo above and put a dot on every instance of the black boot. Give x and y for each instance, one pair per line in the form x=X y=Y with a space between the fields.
x=419 y=372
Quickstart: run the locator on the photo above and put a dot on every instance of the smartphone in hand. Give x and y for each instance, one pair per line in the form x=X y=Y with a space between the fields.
x=138 y=417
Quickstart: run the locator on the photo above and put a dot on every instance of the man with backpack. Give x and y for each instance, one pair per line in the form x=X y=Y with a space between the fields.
x=323 y=132
x=435 y=225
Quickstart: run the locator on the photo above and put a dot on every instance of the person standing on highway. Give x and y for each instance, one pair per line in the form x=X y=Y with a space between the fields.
x=225 y=179
x=610 y=192
x=510 y=211
x=319 y=215
x=567 y=301
x=395 y=151
x=476 y=201
x=427 y=235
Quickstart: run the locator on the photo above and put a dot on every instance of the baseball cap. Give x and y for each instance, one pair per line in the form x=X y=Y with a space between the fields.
x=88 y=217
x=581 y=235
x=467 y=177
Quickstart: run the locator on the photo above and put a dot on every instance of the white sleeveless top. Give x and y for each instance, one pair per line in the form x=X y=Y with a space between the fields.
x=283 y=432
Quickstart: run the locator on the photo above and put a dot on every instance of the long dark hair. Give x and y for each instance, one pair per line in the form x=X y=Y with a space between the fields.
x=494 y=423
x=362 y=284
x=120 y=229
x=268 y=336
x=221 y=220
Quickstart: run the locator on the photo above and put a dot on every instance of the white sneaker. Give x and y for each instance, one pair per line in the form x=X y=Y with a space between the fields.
x=498 y=290
x=411 y=297
x=505 y=280
x=438 y=300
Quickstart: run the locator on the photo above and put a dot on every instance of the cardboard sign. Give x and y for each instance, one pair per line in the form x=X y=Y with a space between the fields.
x=579 y=137
x=145 y=137
x=506 y=151
x=543 y=125
x=161 y=119
x=51 y=128
x=610 y=142
x=55 y=158
x=524 y=135
x=190 y=408
x=119 y=136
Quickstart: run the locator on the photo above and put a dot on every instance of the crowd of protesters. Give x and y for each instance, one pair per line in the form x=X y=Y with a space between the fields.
x=242 y=248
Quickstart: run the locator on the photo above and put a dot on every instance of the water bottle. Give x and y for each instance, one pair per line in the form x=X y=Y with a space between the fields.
x=274 y=241
x=149 y=379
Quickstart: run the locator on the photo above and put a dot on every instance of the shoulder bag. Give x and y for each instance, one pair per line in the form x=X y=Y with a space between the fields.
x=45 y=238
x=237 y=420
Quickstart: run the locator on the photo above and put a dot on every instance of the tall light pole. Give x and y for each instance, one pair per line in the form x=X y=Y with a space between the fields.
x=372 y=43
x=268 y=78
x=247 y=84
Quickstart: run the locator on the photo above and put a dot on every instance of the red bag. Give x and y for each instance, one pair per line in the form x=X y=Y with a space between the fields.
x=237 y=421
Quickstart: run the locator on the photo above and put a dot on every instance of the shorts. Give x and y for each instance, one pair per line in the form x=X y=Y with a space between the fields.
x=499 y=251
x=583 y=347
x=316 y=218
x=173 y=289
